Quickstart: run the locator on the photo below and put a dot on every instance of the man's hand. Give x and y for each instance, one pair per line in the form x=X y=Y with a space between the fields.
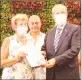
x=50 y=63
x=44 y=53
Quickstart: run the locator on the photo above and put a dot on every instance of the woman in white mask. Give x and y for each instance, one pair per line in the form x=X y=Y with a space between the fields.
x=13 y=56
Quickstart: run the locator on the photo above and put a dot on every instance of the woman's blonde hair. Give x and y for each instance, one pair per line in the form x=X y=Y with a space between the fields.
x=17 y=17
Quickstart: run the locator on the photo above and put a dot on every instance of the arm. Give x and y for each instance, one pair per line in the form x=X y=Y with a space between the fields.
x=5 y=53
x=71 y=53
x=43 y=48
x=68 y=55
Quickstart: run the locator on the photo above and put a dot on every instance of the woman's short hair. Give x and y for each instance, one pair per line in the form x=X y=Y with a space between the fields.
x=17 y=17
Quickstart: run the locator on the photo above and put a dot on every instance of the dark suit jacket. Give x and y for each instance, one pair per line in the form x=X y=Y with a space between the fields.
x=66 y=67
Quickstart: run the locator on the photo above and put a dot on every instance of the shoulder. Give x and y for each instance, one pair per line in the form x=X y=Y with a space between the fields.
x=5 y=43
x=42 y=34
x=51 y=31
x=74 y=29
x=7 y=39
x=73 y=26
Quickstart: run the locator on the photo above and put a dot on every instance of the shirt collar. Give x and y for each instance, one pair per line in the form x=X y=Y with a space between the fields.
x=30 y=34
x=61 y=27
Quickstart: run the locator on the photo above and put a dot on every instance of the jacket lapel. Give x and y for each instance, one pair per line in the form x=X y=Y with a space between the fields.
x=52 y=38
x=63 y=35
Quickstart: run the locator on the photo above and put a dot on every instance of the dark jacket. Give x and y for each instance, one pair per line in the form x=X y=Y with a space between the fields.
x=66 y=67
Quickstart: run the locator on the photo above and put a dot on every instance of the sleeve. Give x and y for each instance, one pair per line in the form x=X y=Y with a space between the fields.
x=71 y=53
x=43 y=48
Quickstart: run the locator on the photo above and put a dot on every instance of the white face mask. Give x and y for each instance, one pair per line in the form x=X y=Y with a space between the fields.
x=60 y=19
x=22 y=30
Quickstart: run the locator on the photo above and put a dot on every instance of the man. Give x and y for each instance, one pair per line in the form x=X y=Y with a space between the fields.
x=36 y=38
x=62 y=45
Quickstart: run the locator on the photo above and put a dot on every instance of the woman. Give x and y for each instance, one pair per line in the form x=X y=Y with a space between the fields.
x=13 y=54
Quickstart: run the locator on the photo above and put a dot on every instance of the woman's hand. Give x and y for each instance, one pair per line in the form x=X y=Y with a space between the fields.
x=21 y=56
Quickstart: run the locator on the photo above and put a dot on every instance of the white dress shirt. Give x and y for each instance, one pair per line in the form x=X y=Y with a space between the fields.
x=40 y=72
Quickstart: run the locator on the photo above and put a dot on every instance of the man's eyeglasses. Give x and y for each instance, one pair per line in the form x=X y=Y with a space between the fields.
x=34 y=23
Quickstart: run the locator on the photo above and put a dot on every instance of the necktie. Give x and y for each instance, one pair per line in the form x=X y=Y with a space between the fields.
x=57 y=36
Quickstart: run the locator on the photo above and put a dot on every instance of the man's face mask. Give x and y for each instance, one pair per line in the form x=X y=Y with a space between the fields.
x=60 y=19
x=22 y=30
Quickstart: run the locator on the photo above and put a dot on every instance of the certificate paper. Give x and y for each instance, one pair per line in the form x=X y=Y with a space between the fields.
x=35 y=58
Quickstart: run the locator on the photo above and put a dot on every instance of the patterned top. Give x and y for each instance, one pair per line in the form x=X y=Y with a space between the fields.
x=20 y=70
